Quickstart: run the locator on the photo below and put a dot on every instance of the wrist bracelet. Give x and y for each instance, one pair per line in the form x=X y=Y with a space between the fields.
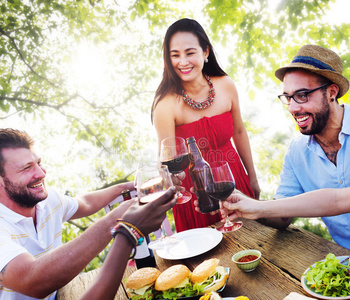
x=131 y=240
x=132 y=226
x=138 y=239
x=131 y=230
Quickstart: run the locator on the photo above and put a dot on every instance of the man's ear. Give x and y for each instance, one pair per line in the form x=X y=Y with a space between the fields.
x=333 y=91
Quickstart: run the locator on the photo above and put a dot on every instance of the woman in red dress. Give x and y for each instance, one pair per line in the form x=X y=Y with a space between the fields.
x=197 y=98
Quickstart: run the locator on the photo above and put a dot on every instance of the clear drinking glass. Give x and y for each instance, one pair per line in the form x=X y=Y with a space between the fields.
x=219 y=186
x=174 y=154
x=152 y=180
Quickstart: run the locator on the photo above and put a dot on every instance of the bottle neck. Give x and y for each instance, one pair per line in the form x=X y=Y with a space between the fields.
x=195 y=153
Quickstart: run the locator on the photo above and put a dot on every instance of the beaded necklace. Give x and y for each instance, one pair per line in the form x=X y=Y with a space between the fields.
x=201 y=105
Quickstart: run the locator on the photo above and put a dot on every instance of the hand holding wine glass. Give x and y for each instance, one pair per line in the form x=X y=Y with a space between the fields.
x=174 y=154
x=152 y=181
x=219 y=185
x=148 y=218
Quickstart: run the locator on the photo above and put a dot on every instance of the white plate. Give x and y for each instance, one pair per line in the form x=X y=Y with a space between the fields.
x=317 y=295
x=192 y=242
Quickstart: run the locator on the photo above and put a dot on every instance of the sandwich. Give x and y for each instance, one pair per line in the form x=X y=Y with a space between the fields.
x=140 y=284
x=174 y=282
x=209 y=275
x=211 y=296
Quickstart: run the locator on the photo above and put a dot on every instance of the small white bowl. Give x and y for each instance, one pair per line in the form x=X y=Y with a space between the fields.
x=250 y=265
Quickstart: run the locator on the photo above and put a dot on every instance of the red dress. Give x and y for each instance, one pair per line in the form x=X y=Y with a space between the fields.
x=213 y=137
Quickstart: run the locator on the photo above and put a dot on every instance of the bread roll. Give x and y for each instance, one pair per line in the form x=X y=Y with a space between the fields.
x=207 y=269
x=204 y=270
x=142 y=277
x=171 y=277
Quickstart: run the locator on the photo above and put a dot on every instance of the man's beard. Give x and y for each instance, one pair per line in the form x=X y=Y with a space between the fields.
x=320 y=120
x=21 y=195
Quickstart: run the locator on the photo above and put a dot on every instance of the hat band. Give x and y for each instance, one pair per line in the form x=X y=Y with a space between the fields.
x=313 y=62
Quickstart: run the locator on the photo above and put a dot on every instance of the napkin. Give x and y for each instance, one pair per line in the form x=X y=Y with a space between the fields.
x=296 y=296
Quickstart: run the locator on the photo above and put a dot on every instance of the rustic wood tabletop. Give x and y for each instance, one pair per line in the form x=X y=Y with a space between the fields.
x=286 y=254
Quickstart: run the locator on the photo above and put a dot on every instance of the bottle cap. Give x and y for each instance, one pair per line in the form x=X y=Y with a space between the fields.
x=190 y=139
x=126 y=195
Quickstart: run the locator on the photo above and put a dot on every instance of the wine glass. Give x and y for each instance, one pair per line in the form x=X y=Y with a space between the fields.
x=174 y=154
x=152 y=180
x=219 y=185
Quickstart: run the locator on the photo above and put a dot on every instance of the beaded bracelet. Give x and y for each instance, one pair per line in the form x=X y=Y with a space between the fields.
x=138 y=239
x=124 y=232
x=132 y=226
x=133 y=231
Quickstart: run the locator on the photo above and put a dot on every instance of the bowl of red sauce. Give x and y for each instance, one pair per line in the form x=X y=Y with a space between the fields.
x=247 y=260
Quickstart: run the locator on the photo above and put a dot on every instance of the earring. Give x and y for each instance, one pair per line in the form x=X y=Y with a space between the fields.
x=332 y=100
x=206 y=60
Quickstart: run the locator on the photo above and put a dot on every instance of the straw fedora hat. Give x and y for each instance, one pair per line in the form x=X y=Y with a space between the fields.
x=321 y=61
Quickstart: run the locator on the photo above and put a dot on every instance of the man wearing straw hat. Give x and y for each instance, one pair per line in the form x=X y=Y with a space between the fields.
x=319 y=157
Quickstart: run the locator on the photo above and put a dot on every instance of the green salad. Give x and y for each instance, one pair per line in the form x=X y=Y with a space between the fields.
x=329 y=277
x=189 y=290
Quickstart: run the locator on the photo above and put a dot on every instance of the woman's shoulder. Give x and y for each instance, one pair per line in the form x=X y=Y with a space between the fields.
x=223 y=81
x=166 y=108
x=226 y=87
x=167 y=102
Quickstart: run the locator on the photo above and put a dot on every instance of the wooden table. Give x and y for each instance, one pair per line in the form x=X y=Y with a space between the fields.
x=286 y=254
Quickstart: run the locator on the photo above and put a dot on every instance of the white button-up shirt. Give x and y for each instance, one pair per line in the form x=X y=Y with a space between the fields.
x=18 y=234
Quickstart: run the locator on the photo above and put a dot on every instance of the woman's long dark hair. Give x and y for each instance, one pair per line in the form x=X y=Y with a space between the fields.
x=171 y=83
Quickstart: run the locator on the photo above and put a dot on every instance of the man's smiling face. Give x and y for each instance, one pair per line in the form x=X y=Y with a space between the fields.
x=311 y=116
x=24 y=180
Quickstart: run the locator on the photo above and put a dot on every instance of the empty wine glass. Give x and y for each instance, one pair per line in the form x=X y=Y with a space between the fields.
x=152 y=180
x=174 y=154
x=219 y=185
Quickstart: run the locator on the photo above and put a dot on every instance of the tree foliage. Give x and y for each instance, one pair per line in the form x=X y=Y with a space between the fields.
x=38 y=39
x=262 y=39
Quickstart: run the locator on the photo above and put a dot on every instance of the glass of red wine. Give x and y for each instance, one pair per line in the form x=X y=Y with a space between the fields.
x=174 y=154
x=152 y=180
x=219 y=184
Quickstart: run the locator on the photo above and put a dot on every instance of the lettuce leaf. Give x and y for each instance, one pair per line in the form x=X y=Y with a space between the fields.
x=329 y=277
x=148 y=295
x=188 y=290
x=210 y=279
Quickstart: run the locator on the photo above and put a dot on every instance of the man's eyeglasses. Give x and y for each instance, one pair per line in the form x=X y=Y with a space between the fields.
x=299 y=97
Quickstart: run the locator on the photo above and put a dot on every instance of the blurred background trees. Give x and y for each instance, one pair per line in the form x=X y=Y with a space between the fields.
x=80 y=76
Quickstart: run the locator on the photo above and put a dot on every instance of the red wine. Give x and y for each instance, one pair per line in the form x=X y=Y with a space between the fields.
x=199 y=169
x=205 y=203
x=220 y=190
x=151 y=197
x=177 y=164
